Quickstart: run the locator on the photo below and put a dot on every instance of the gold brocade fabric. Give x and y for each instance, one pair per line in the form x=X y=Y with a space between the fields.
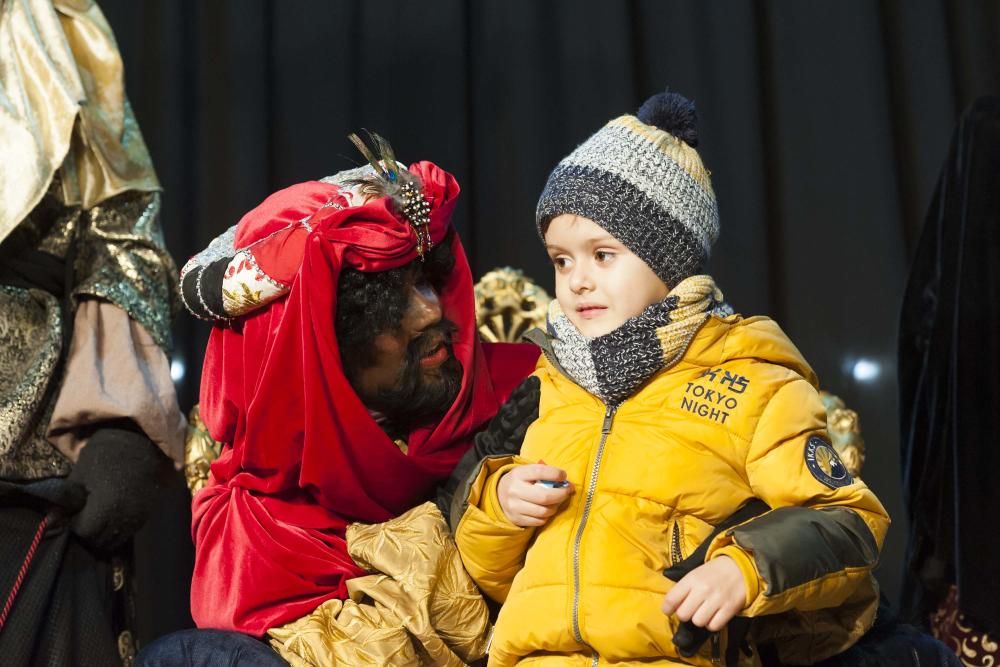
x=120 y=253
x=418 y=607
x=75 y=171
x=63 y=109
x=30 y=334
x=120 y=258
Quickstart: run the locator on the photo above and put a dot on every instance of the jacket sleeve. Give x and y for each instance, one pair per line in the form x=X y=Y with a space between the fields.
x=492 y=548
x=823 y=536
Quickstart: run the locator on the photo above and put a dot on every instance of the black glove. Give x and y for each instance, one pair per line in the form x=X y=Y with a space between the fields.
x=502 y=436
x=122 y=471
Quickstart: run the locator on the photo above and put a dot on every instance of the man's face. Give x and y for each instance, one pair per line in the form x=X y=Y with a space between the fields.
x=414 y=376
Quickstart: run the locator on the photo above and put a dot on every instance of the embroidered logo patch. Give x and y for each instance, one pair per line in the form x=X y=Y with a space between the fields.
x=825 y=465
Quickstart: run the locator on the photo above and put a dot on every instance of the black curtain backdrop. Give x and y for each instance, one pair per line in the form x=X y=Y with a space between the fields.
x=824 y=124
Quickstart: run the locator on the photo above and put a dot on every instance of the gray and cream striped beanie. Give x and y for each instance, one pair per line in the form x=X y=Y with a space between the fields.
x=641 y=179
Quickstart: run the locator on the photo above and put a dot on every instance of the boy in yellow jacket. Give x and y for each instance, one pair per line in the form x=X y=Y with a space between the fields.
x=661 y=415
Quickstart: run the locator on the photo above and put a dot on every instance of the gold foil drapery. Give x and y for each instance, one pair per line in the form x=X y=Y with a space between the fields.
x=63 y=108
x=418 y=607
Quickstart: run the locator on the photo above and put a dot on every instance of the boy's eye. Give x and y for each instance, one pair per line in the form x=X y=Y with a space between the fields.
x=560 y=262
x=603 y=255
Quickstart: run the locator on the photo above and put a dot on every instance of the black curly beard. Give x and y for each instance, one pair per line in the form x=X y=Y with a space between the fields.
x=420 y=396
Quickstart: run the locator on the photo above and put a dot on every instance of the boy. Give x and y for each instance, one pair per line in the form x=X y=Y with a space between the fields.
x=661 y=415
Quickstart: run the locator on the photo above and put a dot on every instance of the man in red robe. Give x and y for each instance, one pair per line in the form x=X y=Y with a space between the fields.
x=344 y=376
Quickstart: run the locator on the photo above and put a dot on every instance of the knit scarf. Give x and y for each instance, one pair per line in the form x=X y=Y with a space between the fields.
x=613 y=366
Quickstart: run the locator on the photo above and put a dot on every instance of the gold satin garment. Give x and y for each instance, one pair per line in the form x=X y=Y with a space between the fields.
x=63 y=106
x=417 y=607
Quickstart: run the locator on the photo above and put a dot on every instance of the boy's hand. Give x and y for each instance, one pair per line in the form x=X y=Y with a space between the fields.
x=528 y=504
x=709 y=595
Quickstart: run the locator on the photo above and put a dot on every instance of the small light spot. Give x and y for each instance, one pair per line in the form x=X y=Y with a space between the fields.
x=866 y=370
x=177 y=370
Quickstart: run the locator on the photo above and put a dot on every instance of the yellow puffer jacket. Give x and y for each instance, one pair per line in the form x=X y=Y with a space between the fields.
x=737 y=418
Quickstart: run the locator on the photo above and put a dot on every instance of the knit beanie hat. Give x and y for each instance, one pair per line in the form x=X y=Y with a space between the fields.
x=641 y=179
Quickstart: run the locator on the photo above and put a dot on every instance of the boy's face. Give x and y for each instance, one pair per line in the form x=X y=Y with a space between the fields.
x=599 y=282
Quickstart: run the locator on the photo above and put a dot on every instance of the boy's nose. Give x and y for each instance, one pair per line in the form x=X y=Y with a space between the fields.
x=579 y=279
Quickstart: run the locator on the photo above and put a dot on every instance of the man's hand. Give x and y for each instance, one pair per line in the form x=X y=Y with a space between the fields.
x=708 y=596
x=527 y=504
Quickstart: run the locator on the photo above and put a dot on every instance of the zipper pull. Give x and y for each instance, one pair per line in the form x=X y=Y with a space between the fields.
x=716 y=650
x=609 y=416
x=489 y=642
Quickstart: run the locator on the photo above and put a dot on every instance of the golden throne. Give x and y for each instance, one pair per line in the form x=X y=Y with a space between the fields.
x=844 y=427
x=508 y=304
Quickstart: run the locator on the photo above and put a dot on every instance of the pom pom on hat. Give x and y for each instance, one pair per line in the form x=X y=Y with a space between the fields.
x=672 y=113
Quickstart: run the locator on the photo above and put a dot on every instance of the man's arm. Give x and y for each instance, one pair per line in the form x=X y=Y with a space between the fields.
x=503 y=437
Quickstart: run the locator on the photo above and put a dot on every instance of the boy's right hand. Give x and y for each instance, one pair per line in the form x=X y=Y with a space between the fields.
x=527 y=504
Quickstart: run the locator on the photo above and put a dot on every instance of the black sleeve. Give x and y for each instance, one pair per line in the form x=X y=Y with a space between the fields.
x=201 y=291
x=502 y=437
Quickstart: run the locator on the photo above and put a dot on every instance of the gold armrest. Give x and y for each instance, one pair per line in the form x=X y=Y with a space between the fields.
x=199 y=452
x=844 y=428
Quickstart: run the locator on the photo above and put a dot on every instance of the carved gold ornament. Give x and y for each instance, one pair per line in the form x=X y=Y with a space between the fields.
x=844 y=428
x=508 y=304
x=199 y=452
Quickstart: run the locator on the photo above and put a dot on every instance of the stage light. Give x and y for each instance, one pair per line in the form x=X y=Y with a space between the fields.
x=866 y=370
x=177 y=370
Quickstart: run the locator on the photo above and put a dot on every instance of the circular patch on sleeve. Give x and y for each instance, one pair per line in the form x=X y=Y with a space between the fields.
x=825 y=465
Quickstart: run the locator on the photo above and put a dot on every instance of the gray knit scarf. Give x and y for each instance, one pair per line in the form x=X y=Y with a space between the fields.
x=613 y=366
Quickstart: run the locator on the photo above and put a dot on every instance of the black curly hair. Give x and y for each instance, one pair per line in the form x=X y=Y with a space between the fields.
x=369 y=304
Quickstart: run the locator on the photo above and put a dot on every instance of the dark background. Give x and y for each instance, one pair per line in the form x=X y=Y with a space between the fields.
x=824 y=124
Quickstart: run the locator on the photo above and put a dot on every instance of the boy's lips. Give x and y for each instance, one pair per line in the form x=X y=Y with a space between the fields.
x=590 y=310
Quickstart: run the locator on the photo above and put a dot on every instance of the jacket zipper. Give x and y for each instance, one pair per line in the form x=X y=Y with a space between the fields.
x=609 y=416
x=675 y=544
x=676 y=556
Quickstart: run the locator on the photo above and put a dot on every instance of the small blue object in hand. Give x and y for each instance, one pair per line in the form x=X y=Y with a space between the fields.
x=552 y=484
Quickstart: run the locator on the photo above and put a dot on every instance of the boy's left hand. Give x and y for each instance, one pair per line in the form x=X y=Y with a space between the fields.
x=709 y=595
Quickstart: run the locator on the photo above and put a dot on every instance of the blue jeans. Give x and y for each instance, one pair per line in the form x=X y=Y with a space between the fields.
x=208 y=648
